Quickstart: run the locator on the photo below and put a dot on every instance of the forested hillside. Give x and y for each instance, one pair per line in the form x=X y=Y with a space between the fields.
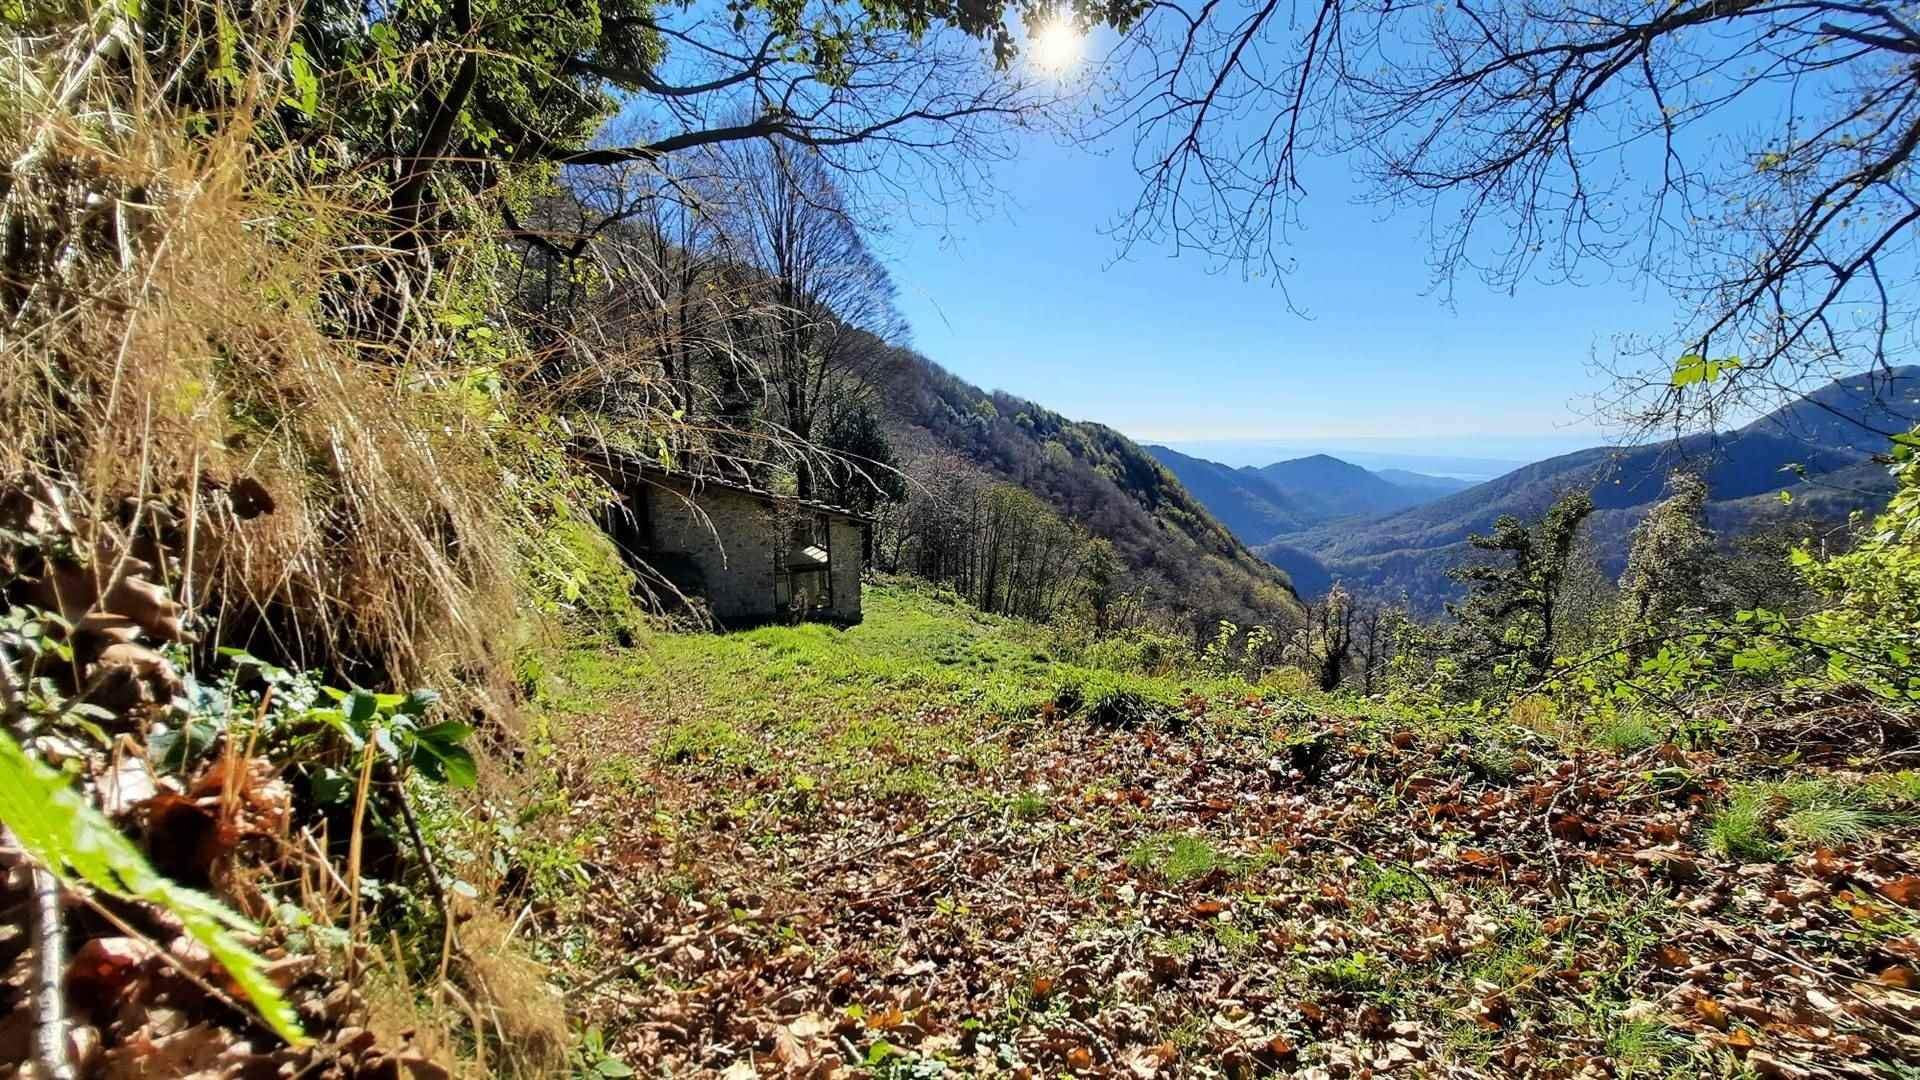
x=1158 y=553
x=1241 y=499
x=1333 y=488
x=1818 y=449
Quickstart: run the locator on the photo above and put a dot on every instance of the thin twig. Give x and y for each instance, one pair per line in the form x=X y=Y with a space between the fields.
x=354 y=845
x=420 y=845
x=50 y=956
x=886 y=845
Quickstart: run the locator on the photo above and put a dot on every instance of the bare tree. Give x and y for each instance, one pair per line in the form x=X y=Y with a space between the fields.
x=1752 y=156
x=830 y=311
x=1326 y=642
x=1378 y=631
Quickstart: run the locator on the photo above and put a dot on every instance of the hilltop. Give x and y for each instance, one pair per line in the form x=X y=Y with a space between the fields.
x=1261 y=503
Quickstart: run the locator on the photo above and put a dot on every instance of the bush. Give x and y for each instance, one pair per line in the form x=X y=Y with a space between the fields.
x=1870 y=632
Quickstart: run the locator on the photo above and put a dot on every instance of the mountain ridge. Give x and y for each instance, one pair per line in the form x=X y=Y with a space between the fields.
x=1094 y=476
x=1260 y=503
x=1410 y=550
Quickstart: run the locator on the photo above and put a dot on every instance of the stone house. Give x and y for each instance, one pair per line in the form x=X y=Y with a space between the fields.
x=753 y=556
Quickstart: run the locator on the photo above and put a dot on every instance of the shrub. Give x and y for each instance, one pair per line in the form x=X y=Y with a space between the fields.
x=1870 y=633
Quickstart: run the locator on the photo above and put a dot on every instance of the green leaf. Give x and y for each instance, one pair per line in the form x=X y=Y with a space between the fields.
x=175 y=749
x=421 y=700
x=337 y=720
x=55 y=825
x=242 y=659
x=447 y=732
x=446 y=760
x=613 y=1067
x=1695 y=368
x=1689 y=369
x=360 y=707
x=331 y=786
x=306 y=85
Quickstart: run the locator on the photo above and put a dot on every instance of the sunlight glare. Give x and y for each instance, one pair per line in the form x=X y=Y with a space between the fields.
x=1056 y=46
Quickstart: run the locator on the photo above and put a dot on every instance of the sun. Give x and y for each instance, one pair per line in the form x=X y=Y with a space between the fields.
x=1056 y=45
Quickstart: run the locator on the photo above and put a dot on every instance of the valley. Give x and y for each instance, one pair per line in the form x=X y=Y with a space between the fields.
x=1818 y=451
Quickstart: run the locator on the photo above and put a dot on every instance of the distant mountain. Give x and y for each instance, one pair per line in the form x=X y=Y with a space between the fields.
x=1292 y=496
x=1241 y=499
x=1092 y=475
x=1441 y=485
x=1500 y=455
x=1821 y=433
x=1337 y=489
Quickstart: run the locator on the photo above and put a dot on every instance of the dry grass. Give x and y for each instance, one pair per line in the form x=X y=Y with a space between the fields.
x=168 y=354
x=510 y=992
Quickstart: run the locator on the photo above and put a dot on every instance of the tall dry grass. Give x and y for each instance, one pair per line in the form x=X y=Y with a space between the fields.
x=323 y=498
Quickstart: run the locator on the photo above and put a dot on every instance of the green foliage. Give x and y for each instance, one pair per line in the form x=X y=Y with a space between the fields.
x=578 y=574
x=864 y=472
x=1627 y=730
x=1179 y=857
x=1870 y=631
x=1029 y=806
x=1509 y=617
x=1353 y=973
x=1739 y=828
x=1668 y=563
x=73 y=840
x=1758 y=818
x=1694 y=368
x=394 y=724
x=1233 y=654
x=1863 y=628
x=595 y=1062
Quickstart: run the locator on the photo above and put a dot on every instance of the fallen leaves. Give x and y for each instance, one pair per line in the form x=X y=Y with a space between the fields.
x=1372 y=904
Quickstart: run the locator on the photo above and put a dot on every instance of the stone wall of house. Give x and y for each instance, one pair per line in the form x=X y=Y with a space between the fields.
x=729 y=536
x=846 y=552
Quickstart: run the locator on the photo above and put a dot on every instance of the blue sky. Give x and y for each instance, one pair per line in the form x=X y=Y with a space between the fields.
x=1030 y=300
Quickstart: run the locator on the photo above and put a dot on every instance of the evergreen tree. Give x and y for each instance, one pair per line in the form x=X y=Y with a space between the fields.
x=1671 y=559
x=861 y=472
x=1512 y=614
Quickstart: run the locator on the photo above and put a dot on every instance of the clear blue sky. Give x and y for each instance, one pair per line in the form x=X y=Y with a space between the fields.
x=1030 y=301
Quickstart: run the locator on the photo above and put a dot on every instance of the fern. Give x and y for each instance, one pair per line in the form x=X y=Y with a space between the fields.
x=73 y=840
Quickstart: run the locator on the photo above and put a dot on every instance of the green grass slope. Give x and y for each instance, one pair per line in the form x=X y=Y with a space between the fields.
x=933 y=845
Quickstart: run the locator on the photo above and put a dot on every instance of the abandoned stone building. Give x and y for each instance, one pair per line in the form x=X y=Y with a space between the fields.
x=751 y=556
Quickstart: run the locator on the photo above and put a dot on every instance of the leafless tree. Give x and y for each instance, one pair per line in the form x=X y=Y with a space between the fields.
x=1378 y=629
x=829 y=311
x=1326 y=642
x=1755 y=157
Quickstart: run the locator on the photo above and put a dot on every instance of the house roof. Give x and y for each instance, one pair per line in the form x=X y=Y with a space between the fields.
x=630 y=464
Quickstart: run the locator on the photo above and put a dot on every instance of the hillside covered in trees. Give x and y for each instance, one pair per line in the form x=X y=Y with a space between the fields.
x=1146 y=548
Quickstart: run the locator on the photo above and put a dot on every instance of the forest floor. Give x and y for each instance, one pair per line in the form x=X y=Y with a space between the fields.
x=924 y=845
